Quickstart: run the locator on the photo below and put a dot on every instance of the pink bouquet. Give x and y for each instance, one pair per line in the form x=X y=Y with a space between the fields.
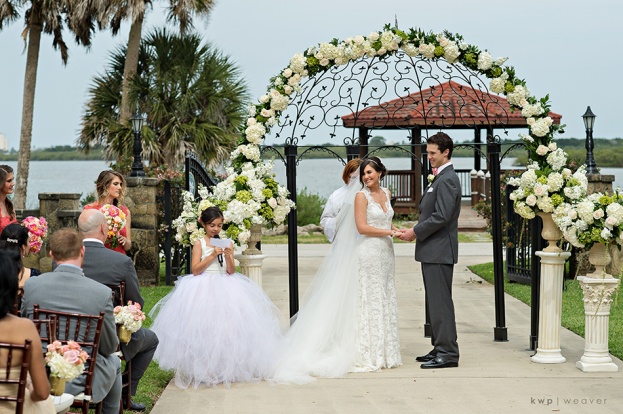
x=38 y=231
x=65 y=361
x=115 y=218
x=131 y=317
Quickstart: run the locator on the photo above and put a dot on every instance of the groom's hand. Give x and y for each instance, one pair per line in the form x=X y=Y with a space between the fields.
x=407 y=235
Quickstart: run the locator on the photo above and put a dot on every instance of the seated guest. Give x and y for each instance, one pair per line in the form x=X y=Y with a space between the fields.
x=67 y=290
x=106 y=266
x=14 y=237
x=14 y=330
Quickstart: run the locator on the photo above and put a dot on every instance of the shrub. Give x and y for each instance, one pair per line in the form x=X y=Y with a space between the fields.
x=308 y=207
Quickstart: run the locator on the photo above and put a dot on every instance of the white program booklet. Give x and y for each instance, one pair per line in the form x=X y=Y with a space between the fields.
x=222 y=243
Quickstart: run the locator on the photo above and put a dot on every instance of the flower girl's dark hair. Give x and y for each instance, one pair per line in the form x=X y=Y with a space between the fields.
x=374 y=162
x=8 y=281
x=210 y=214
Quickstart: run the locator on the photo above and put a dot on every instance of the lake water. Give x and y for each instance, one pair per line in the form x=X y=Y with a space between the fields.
x=319 y=176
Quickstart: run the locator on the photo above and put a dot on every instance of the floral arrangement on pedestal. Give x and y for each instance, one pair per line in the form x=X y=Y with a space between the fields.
x=37 y=232
x=115 y=218
x=129 y=319
x=595 y=219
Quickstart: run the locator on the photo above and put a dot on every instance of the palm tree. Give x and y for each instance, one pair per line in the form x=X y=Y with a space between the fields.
x=180 y=11
x=192 y=94
x=41 y=16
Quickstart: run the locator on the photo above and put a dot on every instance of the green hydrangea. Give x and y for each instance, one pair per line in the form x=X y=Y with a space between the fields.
x=244 y=196
x=557 y=199
x=439 y=52
x=267 y=193
x=232 y=232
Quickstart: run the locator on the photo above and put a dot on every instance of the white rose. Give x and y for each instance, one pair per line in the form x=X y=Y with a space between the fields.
x=531 y=200
x=542 y=150
x=373 y=36
x=598 y=214
x=484 y=61
x=358 y=39
x=287 y=72
x=264 y=98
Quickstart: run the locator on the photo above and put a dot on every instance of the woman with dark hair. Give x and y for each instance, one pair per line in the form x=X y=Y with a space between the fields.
x=14 y=238
x=15 y=330
x=7 y=182
x=111 y=189
x=349 y=318
x=216 y=326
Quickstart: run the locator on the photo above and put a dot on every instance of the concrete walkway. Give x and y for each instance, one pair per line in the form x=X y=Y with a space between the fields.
x=493 y=377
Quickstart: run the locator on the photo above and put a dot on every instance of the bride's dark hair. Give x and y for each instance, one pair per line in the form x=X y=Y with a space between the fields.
x=210 y=214
x=374 y=162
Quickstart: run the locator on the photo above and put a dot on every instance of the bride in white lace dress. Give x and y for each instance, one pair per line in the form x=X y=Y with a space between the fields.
x=348 y=320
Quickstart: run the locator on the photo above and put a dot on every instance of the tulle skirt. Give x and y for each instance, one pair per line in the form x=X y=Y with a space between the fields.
x=216 y=328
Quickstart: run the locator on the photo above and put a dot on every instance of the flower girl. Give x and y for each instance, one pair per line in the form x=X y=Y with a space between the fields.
x=216 y=326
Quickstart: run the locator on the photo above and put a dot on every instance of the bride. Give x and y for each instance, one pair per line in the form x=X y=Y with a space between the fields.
x=348 y=320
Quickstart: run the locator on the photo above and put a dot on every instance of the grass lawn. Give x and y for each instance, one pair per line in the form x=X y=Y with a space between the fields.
x=572 y=306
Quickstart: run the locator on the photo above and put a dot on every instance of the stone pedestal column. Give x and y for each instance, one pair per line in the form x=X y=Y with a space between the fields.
x=141 y=200
x=597 y=300
x=252 y=258
x=550 y=307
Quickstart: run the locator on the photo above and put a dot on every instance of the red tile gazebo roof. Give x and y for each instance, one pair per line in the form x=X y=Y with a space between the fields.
x=447 y=105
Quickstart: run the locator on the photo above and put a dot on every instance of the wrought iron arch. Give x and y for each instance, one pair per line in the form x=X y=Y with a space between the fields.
x=399 y=92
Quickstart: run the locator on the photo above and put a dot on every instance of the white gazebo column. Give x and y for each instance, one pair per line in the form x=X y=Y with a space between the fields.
x=597 y=299
x=550 y=307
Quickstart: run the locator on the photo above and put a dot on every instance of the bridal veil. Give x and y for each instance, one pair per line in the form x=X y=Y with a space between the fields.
x=322 y=341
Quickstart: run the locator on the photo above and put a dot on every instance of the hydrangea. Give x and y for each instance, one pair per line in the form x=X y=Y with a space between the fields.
x=597 y=218
x=485 y=61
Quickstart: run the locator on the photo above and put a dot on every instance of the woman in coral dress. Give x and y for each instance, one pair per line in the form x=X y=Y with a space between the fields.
x=111 y=188
x=7 y=212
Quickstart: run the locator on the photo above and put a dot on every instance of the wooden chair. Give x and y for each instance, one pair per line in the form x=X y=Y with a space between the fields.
x=85 y=330
x=6 y=381
x=47 y=330
x=118 y=299
x=118 y=293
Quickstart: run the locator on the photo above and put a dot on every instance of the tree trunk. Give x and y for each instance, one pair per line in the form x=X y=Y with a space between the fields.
x=131 y=64
x=28 y=104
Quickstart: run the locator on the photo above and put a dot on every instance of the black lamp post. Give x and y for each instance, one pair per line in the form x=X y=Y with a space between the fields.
x=589 y=121
x=137 y=125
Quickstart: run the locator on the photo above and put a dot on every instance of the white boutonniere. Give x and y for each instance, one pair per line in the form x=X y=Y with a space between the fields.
x=431 y=178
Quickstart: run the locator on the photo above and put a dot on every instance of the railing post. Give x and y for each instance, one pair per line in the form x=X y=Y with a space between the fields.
x=475 y=191
x=488 y=186
x=481 y=185
x=167 y=237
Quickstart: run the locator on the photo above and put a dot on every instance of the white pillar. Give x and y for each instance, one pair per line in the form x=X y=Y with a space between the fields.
x=550 y=307
x=597 y=299
x=251 y=265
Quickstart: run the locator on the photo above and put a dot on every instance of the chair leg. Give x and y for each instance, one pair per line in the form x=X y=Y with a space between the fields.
x=126 y=386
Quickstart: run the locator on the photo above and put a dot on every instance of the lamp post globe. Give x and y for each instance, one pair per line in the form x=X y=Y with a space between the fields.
x=589 y=122
x=137 y=125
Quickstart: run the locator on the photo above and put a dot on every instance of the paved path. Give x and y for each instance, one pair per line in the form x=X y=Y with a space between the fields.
x=493 y=377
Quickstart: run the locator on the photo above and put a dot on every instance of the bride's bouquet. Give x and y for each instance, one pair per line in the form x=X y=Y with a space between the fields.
x=115 y=218
x=65 y=361
x=37 y=232
x=129 y=318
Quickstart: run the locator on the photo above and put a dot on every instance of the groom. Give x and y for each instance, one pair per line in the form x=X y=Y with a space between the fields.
x=436 y=248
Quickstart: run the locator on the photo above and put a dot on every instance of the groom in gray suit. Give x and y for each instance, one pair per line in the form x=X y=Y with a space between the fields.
x=67 y=290
x=111 y=268
x=436 y=248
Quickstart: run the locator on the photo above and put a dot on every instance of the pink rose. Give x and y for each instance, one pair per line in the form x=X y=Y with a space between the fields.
x=73 y=357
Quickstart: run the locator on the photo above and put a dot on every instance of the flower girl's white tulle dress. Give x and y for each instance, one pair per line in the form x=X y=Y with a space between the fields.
x=216 y=328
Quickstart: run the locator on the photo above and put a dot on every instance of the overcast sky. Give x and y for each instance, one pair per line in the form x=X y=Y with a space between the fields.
x=569 y=49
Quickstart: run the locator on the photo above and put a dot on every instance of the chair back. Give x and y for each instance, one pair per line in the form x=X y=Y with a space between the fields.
x=81 y=328
x=47 y=331
x=118 y=293
x=7 y=381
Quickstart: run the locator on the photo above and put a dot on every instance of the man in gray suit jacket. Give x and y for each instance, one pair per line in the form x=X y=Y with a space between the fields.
x=436 y=248
x=111 y=268
x=67 y=290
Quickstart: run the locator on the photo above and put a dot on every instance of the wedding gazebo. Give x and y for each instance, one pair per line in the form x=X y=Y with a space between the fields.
x=448 y=105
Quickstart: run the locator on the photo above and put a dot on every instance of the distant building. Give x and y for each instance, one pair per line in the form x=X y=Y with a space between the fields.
x=4 y=143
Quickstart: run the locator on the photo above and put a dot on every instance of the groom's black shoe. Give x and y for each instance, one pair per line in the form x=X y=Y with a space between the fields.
x=439 y=362
x=428 y=357
x=137 y=406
